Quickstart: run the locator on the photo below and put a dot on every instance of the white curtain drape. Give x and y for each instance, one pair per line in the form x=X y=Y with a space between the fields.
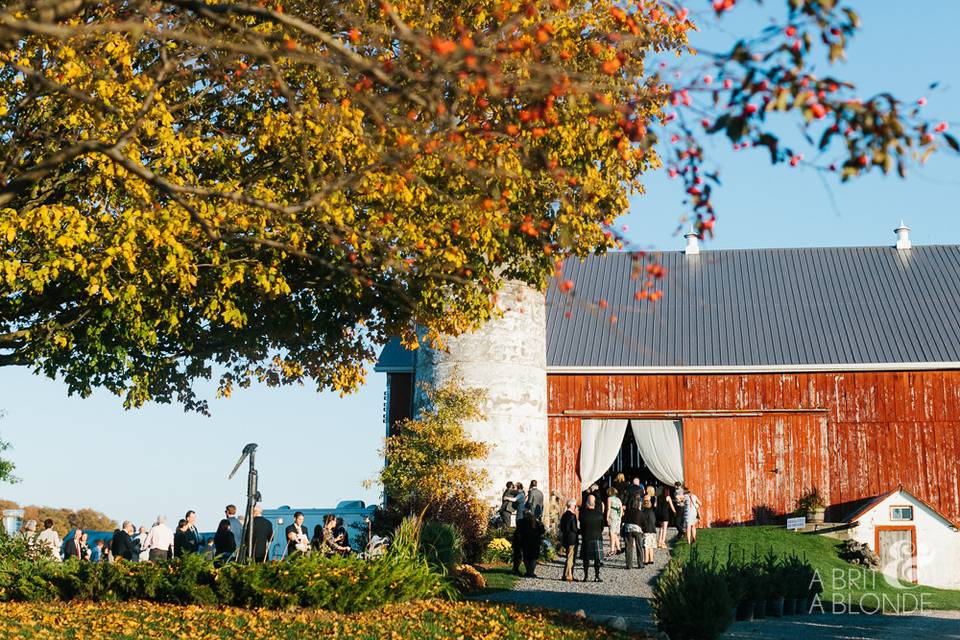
x=600 y=442
x=660 y=443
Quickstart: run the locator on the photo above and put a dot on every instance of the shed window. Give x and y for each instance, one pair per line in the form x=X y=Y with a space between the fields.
x=901 y=513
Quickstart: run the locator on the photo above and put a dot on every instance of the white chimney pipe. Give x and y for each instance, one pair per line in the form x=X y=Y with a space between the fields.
x=903 y=237
x=693 y=246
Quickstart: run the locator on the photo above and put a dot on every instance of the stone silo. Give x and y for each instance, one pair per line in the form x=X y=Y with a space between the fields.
x=507 y=358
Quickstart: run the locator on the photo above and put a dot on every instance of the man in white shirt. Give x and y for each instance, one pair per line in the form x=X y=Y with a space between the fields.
x=159 y=543
x=49 y=540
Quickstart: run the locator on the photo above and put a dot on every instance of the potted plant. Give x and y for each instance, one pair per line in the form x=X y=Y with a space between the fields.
x=795 y=590
x=813 y=505
x=757 y=593
x=740 y=579
x=776 y=587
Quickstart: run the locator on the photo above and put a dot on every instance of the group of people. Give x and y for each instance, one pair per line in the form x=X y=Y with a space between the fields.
x=161 y=543
x=516 y=502
x=636 y=517
x=330 y=538
x=523 y=510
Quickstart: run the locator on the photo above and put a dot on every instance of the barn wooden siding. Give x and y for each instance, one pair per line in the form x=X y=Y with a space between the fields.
x=881 y=429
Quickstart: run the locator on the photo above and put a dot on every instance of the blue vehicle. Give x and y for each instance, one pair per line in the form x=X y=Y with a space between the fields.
x=356 y=519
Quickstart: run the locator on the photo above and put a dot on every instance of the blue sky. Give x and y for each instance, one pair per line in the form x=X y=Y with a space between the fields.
x=316 y=449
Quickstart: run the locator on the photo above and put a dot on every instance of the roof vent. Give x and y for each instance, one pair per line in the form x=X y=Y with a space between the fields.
x=903 y=237
x=693 y=246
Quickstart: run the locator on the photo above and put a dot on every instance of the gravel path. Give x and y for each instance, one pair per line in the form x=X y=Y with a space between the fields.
x=623 y=593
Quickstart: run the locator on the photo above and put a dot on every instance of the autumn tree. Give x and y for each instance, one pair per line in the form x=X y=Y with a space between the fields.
x=269 y=190
x=65 y=520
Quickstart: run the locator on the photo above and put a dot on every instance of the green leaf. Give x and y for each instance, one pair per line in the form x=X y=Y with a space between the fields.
x=721 y=123
x=951 y=141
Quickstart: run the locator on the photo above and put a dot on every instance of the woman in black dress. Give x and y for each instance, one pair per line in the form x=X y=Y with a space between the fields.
x=180 y=544
x=224 y=542
x=665 y=511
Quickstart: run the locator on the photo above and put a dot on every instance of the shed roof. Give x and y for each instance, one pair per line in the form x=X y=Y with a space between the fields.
x=870 y=504
x=751 y=310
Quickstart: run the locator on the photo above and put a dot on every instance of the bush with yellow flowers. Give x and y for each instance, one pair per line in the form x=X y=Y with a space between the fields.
x=499 y=550
x=344 y=585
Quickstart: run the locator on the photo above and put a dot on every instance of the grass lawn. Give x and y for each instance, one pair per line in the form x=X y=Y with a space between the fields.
x=853 y=584
x=429 y=619
x=499 y=577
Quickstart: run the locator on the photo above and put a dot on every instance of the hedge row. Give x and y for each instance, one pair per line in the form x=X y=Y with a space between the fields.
x=343 y=585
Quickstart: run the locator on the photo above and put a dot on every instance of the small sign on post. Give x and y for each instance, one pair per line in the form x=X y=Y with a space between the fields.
x=794 y=524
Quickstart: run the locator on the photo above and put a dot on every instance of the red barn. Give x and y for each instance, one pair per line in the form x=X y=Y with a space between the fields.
x=758 y=375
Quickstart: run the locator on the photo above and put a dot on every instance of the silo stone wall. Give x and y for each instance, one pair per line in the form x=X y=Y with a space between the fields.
x=506 y=358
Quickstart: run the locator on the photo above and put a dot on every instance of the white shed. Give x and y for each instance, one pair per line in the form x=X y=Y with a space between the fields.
x=915 y=542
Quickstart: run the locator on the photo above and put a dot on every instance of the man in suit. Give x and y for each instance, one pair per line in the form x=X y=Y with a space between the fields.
x=535 y=500
x=235 y=525
x=507 y=504
x=194 y=540
x=74 y=546
x=297 y=539
x=121 y=546
x=262 y=535
x=569 y=534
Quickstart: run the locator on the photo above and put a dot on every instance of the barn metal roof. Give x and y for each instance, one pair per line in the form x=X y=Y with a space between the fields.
x=749 y=310
x=757 y=309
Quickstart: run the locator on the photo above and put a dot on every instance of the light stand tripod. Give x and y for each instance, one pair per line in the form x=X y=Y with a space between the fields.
x=245 y=552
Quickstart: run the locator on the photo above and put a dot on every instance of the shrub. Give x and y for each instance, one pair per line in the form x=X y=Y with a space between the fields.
x=468 y=580
x=433 y=470
x=344 y=585
x=499 y=550
x=775 y=578
x=441 y=545
x=548 y=552
x=691 y=600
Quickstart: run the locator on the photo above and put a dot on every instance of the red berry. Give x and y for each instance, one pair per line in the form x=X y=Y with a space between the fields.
x=790 y=31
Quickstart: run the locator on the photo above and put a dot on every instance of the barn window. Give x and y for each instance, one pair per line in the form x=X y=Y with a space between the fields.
x=901 y=513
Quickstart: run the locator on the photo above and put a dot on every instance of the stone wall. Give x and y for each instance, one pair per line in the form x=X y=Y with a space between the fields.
x=507 y=359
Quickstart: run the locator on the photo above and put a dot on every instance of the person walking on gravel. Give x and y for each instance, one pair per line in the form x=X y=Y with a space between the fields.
x=633 y=537
x=614 y=516
x=664 y=511
x=591 y=530
x=648 y=524
x=569 y=534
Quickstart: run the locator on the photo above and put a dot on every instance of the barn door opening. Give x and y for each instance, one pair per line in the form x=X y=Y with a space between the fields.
x=651 y=450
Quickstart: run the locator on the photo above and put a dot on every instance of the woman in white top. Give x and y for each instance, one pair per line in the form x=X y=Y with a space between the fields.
x=691 y=515
x=49 y=540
